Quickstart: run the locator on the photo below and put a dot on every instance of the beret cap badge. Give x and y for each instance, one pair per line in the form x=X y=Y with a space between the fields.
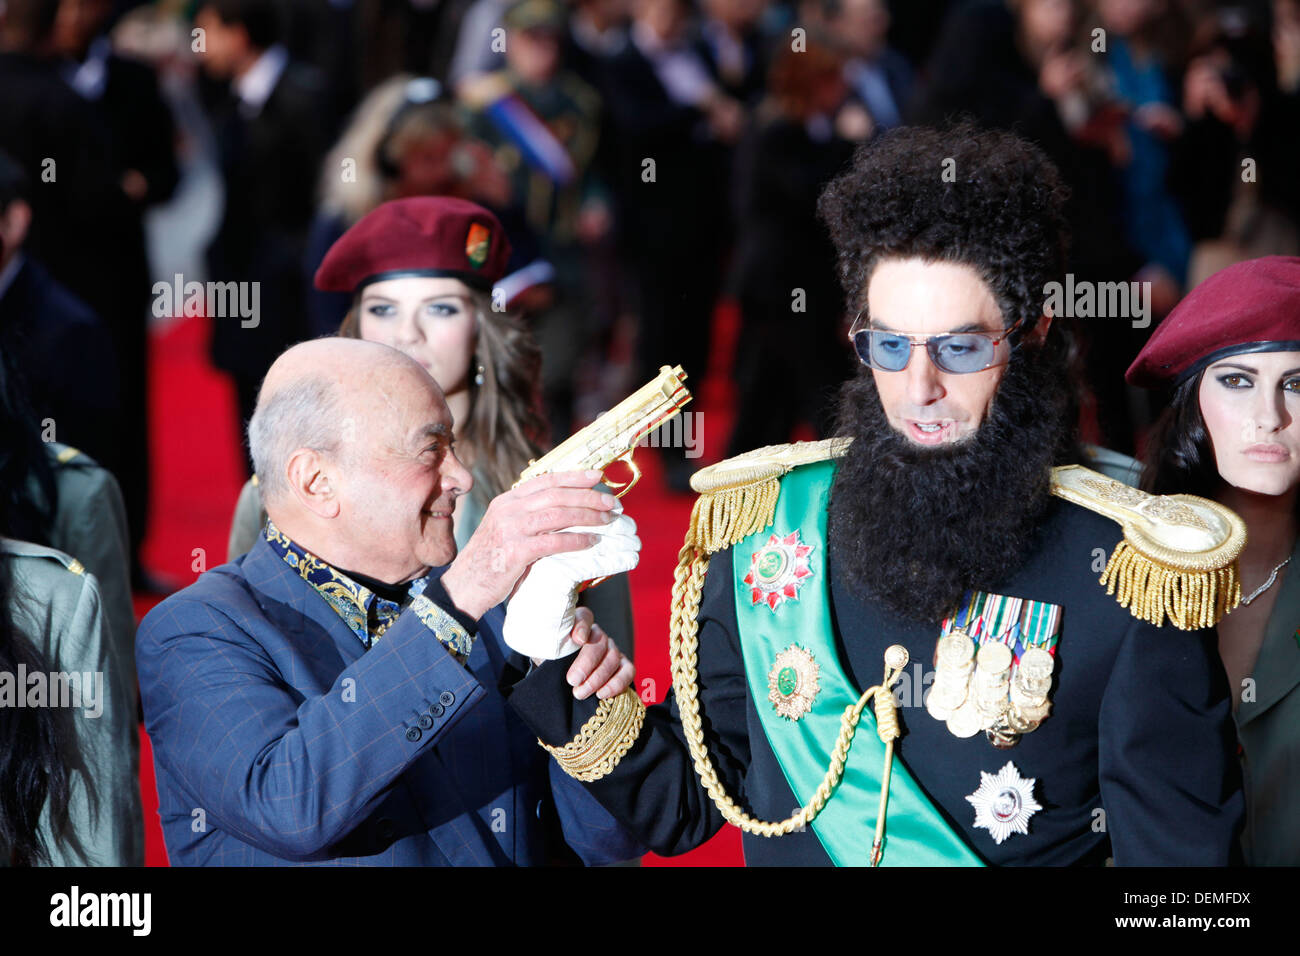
x=477 y=242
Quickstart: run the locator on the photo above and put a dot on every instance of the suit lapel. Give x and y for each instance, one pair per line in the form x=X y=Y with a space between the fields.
x=280 y=584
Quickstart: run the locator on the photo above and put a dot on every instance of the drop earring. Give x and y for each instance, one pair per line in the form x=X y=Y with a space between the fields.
x=478 y=378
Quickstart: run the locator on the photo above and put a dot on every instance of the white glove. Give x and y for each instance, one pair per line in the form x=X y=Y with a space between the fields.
x=540 y=615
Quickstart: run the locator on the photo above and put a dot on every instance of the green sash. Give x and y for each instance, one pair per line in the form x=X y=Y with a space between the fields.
x=916 y=834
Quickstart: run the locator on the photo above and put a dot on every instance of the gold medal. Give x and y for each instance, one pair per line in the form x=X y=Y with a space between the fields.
x=1036 y=664
x=1036 y=712
x=792 y=682
x=965 y=721
x=945 y=697
x=994 y=659
x=1024 y=697
x=955 y=651
x=935 y=709
x=981 y=684
x=949 y=691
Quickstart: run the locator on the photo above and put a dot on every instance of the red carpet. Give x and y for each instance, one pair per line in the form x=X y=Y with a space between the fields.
x=197 y=473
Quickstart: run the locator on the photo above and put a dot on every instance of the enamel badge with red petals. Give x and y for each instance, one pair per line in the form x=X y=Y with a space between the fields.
x=778 y=570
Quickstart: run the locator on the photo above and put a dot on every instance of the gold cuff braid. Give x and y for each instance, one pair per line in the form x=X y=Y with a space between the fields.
x=603 y=739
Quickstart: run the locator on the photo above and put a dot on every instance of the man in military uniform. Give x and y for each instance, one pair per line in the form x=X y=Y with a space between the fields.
x=1043 y=720
x=543 y=123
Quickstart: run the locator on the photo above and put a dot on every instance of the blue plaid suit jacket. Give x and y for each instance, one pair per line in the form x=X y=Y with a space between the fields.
x=278 y=739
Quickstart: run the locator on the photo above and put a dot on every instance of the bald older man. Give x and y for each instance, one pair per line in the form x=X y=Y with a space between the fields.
x=333 y=695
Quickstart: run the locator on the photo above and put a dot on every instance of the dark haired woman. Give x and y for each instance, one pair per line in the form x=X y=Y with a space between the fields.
x=69 y=794
x=1231 y=351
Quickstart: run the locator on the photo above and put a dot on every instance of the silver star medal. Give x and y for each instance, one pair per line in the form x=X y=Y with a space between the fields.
x=1004 y=802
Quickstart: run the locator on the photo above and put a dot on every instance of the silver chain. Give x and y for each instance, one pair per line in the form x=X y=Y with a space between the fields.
x=1266 y=585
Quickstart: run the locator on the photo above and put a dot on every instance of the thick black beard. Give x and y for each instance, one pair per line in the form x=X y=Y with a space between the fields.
x=914 y=527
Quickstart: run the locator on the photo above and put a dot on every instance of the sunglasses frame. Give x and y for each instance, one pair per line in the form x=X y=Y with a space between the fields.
x=930 y=344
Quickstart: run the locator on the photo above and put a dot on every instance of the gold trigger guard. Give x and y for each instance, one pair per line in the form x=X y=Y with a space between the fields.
x=621 y=489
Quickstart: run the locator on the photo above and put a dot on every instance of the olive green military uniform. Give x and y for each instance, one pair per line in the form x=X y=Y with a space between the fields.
x=56 y=604
x=90 y=525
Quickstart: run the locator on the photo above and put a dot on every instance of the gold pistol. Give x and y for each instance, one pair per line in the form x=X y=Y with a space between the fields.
x=613 y=436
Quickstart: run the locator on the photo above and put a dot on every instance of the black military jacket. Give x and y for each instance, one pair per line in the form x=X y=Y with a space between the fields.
x=1136 y=761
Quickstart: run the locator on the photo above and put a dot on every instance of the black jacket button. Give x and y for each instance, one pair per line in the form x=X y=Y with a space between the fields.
x=413 y=734
x=425 y=721
x=437 y=710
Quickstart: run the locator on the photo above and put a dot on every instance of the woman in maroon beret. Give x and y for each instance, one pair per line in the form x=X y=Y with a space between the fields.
x=1231 y=353
x=421 y=273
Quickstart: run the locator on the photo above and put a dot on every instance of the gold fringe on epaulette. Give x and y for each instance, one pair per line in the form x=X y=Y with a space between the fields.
x=1152 y=592
x=728 y=516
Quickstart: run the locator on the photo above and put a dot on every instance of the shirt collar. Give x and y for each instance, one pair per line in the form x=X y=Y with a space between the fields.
x=366 y=614
x=254 y=88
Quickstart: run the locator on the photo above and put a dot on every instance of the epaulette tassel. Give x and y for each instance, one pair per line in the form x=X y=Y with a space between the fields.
x=1189 y=599
x=727 y=516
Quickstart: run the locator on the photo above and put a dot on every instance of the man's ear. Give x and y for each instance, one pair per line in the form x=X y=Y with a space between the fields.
x=313 y=482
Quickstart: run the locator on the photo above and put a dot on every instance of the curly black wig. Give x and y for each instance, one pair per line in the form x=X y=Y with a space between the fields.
x=1003 y=213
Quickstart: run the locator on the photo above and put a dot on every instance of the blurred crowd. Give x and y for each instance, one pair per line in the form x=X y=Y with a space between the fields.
x=649 y=159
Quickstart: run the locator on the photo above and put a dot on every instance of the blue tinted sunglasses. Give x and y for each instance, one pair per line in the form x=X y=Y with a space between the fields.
x=955 y=352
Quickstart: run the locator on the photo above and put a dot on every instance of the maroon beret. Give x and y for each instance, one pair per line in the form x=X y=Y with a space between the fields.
x=1253 y=306
x=423 y=236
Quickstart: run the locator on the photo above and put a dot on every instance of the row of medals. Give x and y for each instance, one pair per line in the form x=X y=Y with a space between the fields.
x=977 y=691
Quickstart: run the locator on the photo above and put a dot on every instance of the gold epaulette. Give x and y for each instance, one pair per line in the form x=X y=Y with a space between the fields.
x=738 y=496
x=1178 y=559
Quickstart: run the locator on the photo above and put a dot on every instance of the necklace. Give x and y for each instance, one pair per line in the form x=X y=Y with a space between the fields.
x=1266 y=585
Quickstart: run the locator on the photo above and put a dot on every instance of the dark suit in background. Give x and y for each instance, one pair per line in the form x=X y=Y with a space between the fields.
x=796 y=344
x=672 y=232
x=978 y=70
x=77 y=212
x=64 y=354
x=270 y=161
x=123 y=94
